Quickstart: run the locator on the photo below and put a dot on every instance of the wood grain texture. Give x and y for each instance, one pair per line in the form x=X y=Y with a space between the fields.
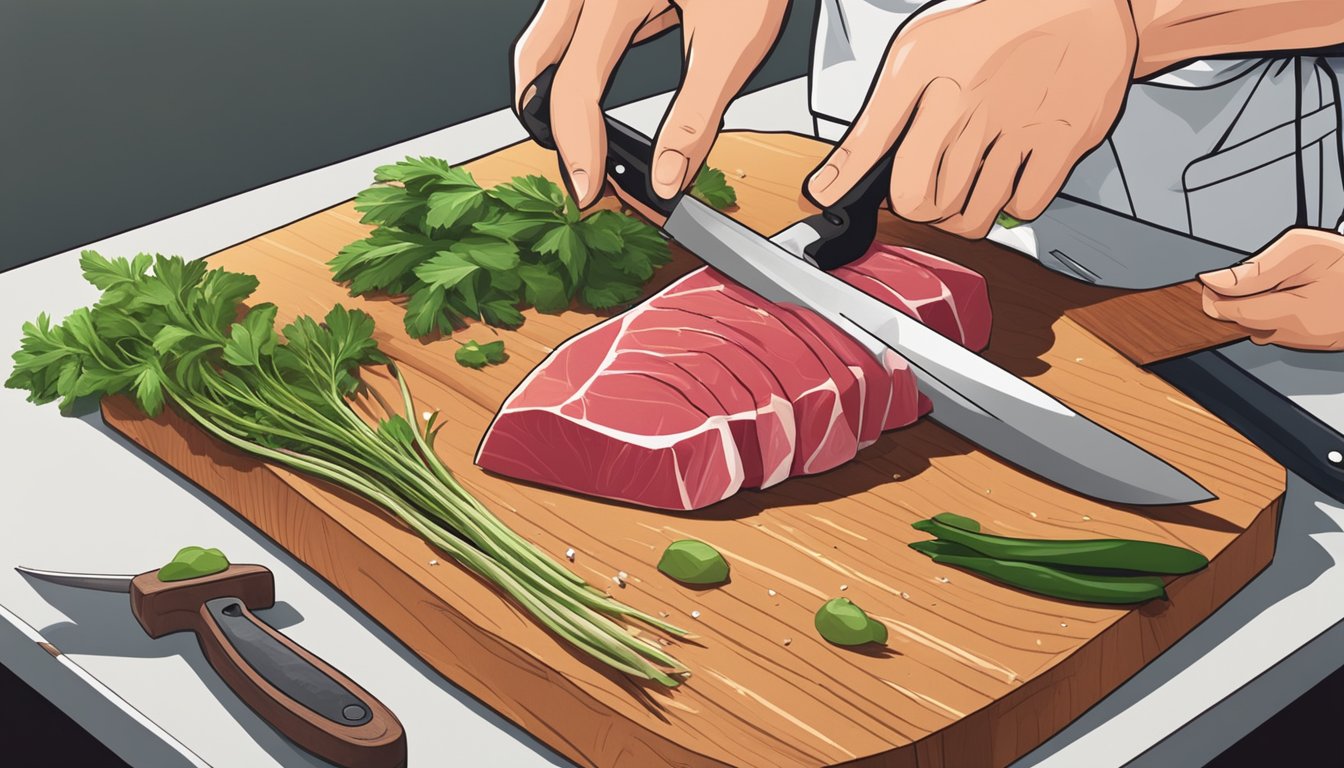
x=1148 y=326
x=974 y=674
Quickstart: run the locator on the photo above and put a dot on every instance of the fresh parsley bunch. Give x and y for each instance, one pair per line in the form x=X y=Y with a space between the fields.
x=167 y=330
x=458 y=250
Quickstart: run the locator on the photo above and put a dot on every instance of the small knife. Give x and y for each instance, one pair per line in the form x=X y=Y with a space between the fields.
x=971 y=396
x=299 y=694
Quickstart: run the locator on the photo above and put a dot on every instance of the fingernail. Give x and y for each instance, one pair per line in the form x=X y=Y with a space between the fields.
x=579 y=180
x=669 y=171
x=528 y=95
x=824 y=178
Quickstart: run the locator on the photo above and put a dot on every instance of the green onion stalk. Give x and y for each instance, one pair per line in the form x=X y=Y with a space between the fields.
x=179 y=333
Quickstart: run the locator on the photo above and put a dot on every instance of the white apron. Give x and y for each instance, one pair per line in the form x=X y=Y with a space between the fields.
x=1208 y=149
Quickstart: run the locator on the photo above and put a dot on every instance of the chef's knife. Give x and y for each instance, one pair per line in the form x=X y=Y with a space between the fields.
x=1098 y=245
x=971 y=396
x=299 y=694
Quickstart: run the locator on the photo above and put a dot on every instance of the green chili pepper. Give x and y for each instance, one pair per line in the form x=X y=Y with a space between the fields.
x=1119 y=554
x=1044 y=580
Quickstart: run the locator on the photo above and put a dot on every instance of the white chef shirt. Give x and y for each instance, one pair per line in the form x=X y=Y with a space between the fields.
x=1206 y=149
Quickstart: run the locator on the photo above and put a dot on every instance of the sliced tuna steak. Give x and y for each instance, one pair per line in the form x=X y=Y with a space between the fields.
x=706 y=388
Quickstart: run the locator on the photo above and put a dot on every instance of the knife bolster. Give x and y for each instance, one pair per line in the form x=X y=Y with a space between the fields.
x=164 y=607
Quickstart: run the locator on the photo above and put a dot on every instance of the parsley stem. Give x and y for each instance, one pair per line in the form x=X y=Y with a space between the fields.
x=181 y=336
x=467 y=555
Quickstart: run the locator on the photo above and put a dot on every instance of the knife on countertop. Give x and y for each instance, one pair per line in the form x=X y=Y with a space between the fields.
x=312 y=703
x=971 y=396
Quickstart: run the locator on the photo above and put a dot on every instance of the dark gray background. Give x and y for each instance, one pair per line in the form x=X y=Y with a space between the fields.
x=116 y=114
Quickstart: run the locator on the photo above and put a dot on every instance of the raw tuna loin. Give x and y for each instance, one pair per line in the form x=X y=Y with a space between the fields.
x=707 y=388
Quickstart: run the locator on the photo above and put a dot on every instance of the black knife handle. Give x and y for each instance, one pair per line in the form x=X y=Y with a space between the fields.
x=1292 y=436
x=629 y=152
x=297 y=693
x=849 y=226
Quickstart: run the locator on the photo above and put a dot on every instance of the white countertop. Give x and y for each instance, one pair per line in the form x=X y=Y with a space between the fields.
x=80 y=497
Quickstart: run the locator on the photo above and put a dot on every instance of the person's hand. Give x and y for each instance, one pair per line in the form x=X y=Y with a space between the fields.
x=992 y=104
x=1291 y=294
x=724 y=43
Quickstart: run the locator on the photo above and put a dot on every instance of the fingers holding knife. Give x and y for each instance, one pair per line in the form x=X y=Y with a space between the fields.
x=724 y=44
x=586 y=38
x=972 y=136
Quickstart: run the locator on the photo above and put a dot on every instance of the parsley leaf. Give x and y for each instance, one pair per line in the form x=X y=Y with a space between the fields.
x=492 y=253
x=250 y=340
x=567 y=245
x=105 y=274
x=501 y=312
x=543 y=288
x=711 y=188
x=474 y=355
x=461 y=251
x=389 y=205
x=450 y=206
x=445 y=270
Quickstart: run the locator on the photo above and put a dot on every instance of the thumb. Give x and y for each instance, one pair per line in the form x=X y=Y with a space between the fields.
x=1277 y=264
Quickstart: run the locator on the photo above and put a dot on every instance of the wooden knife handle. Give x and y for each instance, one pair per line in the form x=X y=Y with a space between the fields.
x=297 y=693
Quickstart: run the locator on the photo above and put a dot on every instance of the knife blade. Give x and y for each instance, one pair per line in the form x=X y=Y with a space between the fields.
x=102 y=582
x=973 y=397
x=1103 y=247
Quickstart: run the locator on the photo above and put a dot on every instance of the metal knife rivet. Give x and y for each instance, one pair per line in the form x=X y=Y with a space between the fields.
x=353 y=712
x=1335 y=457
x=620 y=168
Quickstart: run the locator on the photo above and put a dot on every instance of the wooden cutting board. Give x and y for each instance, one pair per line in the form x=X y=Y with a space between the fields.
x=974 y=674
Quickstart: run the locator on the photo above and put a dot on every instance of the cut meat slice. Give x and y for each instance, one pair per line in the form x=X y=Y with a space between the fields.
x=706 y=388
x=946 y=297
x=630 y=435
x=824 y=438
x=970 y=295
x=889 y=397
x=766 y=442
